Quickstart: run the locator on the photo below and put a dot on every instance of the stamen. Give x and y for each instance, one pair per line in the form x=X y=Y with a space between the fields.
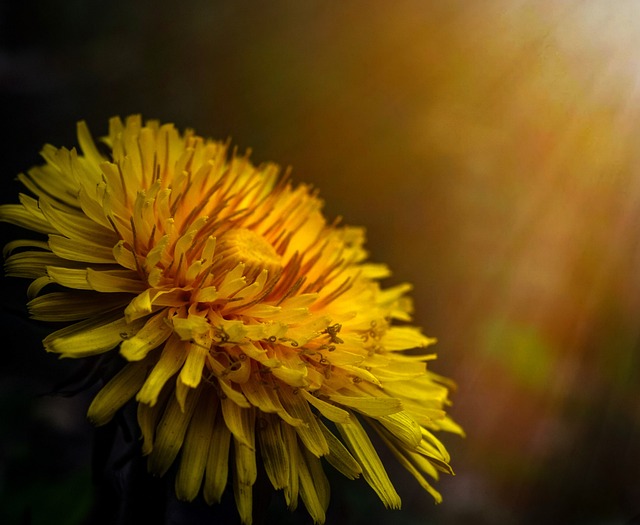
x=332 y=331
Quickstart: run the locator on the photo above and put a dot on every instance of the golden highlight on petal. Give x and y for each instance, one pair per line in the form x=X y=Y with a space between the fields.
x=253 y=330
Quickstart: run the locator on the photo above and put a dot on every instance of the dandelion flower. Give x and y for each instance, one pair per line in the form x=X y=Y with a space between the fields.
x=252 y=329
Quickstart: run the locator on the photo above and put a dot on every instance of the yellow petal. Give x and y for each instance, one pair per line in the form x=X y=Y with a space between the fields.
x=245 y=458
x=113 y=179
x=120 y=389
x=11 y=246
x=239 y=421
x=392 y=298
x=216 y=472
x=292 y=377
x=75 y=250
x=409 y=461
x=110 y=281
x=18 y=215
x=173 y=356
x=328 y=410
x=372 y=469
x=314 y=486
x=139 y=306
x=405 y=337
x=265 y=398
x=320 y=481
x=208 y=294
x=170 y=433
x=240 y=371
x=209 y=249
x=433 y=446
x=158 y=253
x=70 y=306
x=304 y=333
x=273 y=450
x=339 y=457
x=233 y=281
x=421 y=389
x=37 y=285
x=262 y=311
x=244 y=500
x=191 y=328
x=191 y=372
x=403 y=428
x=77 y=226
x=376 y=271
x=448 y=425
x=401 y=370
x=69 y=277
x=369 y=405
x=90 y=337
x=148 y=150
x=196 y=447
x=361 y=373
x=148 y=417
x=49 y=181
x=233 y=395
x=181 y=392
x=310 y=434
x=87 y=144
x=30 y=264
x=257 y=353
x=155 y=332
x=92 y=203
x=124 y=256
x=227 y=331
x=292 y=489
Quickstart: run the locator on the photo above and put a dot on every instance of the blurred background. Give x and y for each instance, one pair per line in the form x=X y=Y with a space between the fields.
x=491 y=150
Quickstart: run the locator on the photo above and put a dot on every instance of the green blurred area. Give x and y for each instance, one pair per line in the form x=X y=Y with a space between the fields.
x=524 y=355
x=489 y=148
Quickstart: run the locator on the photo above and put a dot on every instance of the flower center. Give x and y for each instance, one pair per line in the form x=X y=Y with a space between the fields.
x=252 y=249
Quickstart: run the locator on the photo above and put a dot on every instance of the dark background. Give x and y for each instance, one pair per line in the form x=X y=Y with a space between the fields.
x=490 y=148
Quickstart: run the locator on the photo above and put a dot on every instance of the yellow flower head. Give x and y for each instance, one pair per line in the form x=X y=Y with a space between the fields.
x=245 y=319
